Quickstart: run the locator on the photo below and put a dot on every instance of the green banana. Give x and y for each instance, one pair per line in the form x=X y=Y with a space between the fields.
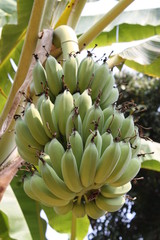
x=96 y=136
x=74 y=123
x=76 y=95
x=127 y=129
x=39 y=101
x=63 y=107
x=70 y=68
x=125 y=158
x=41 y=191
x=112 y=98
x=107 y=139
x=39 y=77
x=110 y=81
x=100 y=79
x=62 y=210
x=54 y=75
x=70 y=171
x=76 y=143
x=110 y=204
x=56 y=151
x=46 y=147
x=88 y=165
x=24 y=135
x=34 y=122
x=48 y=118
x=107 y=112
x=27 y=188
x=94 y=116
x=131 y=171
x=107 y=162
x=113 y=192
x=84 y=102
x=93 y=211
x=85 y=73
x=55 y=184
x=114 y=123
x=26 y=154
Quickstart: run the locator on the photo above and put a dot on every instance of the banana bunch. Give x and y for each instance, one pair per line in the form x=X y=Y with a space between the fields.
x=84 y=149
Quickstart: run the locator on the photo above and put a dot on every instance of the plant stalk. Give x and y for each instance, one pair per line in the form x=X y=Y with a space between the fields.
x=73 y=229
x=26 y=55
x=97 y=28
x=64 y=37
x=76 y=13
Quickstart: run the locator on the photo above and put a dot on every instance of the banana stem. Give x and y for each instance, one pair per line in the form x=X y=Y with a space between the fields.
x=97 y=28
x=65 y=37
x=73 y=229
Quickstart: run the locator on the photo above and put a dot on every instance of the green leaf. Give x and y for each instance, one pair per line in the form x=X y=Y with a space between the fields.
x=11 y=45
x=63 y=223
x=31 y=210
x=18 y=228
x=151 y=159
x=4 y=223
x=143 y=56
x=128 y=26
x=7 y=12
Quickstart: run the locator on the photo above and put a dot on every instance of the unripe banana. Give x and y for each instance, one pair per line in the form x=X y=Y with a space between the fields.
x=62 y=210
x=131 y=171
x=76 y=143
x=48 y=118
x=54 y=183
x=41 y=191
x=113 y=192
x=110 y=204
x=93 y=211
x=54 y=75
x=46 y=147
x=96 y=136
x=107 y=112
x=70 y=171
x=39 y=78
x=56 y=151
x=99 y=81
x=27 y=188
x=70 y=68
x=79 y=209
x=26 y=153
x=108 y=162
x=63 y=107
x=107 y=139
x=88 y=165
x=24 y=135
x=125 y=158
x=76 y=95
x=74 y=123
x=84 y=102
x=127 y=129
x=110 y=81
x=85 y=73
x=39 y=101
x=93 y=117
x=112 y=98
x=114 y=123
x=35 y=124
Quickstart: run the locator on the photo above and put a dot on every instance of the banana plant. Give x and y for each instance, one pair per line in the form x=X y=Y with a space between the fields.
x=41 y=23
